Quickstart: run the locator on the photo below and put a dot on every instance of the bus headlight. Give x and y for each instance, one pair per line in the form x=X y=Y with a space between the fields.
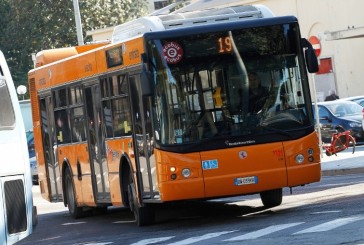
x=355 y=124
x=310 y=151
x=300 y=158
x=186 y=172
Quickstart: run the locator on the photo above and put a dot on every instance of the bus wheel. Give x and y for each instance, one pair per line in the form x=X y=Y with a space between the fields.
x=76 y=212
x=144 y=215
x=271 y=198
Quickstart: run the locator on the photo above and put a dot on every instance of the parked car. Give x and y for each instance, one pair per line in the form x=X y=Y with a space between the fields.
x=360 y=101
x=342 y=115
x=357 y=99
x=33 y=161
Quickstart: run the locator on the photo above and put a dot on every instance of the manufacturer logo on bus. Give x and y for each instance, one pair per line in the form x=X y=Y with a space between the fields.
x=243 y=154
x=172 y=52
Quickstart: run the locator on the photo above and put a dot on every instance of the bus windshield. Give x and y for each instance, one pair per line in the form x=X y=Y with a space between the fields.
x=240 y=83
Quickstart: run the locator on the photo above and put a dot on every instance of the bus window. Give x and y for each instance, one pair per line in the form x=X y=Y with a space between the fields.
x=7 y=118
x=62 y=127
x=78 y=125
x=75 y=95
x=60 y=98
x=116 y=106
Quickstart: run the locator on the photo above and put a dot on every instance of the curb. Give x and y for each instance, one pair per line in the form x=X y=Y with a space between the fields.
x=334 y=172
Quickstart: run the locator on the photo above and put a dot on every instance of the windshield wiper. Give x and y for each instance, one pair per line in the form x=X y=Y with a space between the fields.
x=275 y=130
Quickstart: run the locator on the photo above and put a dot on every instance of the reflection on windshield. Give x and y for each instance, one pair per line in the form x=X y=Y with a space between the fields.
x=231 y=90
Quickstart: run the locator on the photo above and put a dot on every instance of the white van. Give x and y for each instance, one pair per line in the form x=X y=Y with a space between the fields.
x=18 y=216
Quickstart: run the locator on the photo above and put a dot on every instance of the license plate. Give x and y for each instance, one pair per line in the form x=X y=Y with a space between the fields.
x=210 y=164
x=251 y=180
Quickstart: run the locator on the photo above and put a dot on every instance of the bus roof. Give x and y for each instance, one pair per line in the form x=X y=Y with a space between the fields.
x=220 y=27
x=52 y=55
x=177 y=20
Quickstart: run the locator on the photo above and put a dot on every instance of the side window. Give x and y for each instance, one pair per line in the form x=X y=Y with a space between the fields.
x=116 y=106
x=78 y=124
x=77 y=114
x=62 y=126
x=323 y=112
x=122 y=117
x=60 y=98
x=7 y=117
x=69 y=115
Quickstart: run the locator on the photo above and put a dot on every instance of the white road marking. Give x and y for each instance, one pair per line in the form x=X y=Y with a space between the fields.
x=50 y=238
x=124 y=221
x=327 y=212
x=263 y=232
x=152 y=240
x=97 y=243
x=74 y=223
x=331 y=224
x=201 y=238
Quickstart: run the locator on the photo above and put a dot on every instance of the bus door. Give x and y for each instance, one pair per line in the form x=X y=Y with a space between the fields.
x=50 y=150
x=96 y=144
x=143 y=141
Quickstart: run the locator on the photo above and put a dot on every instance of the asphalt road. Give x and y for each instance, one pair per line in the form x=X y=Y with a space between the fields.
x=327 y=212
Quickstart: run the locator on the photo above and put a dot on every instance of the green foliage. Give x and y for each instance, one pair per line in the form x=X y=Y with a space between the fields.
x=30 y=26
x=98 y=14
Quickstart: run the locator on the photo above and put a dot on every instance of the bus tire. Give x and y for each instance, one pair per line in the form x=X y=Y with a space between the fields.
x=271 y=198
x=144 y=215
x=75 y=211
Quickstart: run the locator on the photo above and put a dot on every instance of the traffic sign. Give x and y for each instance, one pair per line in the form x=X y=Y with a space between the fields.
x=316 y=44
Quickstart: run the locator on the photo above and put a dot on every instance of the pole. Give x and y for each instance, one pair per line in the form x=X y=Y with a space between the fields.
x=78 y=22
x=316 y=112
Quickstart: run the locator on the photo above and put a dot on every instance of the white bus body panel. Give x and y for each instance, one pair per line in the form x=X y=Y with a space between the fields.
x=17 y=215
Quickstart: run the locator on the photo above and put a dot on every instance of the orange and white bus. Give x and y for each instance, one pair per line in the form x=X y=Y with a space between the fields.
x=167 y=112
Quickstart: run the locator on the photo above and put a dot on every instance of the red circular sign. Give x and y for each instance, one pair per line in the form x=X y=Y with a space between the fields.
x=316 y=44
x=172 y=52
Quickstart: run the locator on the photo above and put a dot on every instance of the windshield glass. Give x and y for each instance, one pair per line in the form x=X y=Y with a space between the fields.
x=7 y=117
x=236 y=83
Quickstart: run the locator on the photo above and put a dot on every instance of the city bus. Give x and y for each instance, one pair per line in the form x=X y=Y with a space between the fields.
x=18 y=216
x=162 y=113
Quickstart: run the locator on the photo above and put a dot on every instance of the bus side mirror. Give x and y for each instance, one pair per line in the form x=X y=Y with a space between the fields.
x=146 y=78
x=310 y=56
x=146 y=83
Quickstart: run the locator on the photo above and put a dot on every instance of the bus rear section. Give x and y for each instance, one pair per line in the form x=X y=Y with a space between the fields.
x=18 y=216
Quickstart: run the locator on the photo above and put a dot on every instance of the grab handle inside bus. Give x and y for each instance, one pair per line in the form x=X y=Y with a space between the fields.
x=311 y=58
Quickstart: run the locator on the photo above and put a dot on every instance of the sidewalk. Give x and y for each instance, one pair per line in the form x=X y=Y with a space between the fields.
x=344 y=163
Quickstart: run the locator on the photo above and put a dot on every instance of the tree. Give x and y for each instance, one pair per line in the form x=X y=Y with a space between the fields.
x=98 y=14
x=27 y=27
